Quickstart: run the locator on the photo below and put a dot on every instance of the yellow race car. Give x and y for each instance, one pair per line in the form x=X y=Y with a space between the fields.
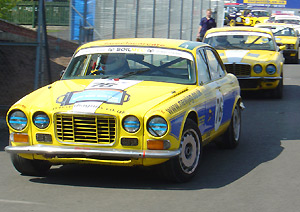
x=248 y=17
x=129 y=102
x=252 y=55
x=288 y=36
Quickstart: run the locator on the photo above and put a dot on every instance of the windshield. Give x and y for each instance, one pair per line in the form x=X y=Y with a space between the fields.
x=281 y=30
x=136 y=63
x=261 y=13
x=288 y=21
x=240 y=40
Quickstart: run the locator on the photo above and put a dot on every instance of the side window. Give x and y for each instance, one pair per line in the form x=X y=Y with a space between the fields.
x=215 y=68
x=203 y=73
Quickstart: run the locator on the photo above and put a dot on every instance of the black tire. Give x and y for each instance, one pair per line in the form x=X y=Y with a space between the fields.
x=178 y=169
x=231 y=138
x=296 y=58
x=232 y=23
x=277 y=93
x=30 y=167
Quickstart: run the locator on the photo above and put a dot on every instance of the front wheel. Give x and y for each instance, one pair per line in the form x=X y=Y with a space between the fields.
x=30 y=167
x=232 y=23
x=183 y=167
x=231 y=138
x=277 y=93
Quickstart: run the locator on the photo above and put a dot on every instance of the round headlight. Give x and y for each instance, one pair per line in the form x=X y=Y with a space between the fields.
x=239 y=19
x=271 y=69
x=157 y=126
x=257 y=68
x=131 y=124
x=41 y=120
x=17 y=120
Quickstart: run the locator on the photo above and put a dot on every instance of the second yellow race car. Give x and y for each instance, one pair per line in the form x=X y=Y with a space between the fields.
x=252 y=55
x=288 y=36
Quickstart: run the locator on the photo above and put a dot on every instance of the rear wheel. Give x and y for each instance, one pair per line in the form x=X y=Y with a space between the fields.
x=30 y=167
x=183 y=167
x=231 y=138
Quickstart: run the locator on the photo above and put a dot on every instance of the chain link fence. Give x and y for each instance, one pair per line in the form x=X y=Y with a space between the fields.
x=178 y=19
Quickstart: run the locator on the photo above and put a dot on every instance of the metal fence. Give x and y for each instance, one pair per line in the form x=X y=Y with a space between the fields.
x=143 y=18
x=25 y=13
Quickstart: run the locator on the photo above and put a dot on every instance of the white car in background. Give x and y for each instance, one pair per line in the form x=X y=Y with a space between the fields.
x=286 y=19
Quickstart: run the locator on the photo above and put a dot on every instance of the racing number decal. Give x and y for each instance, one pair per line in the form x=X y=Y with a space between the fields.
x=219 y=109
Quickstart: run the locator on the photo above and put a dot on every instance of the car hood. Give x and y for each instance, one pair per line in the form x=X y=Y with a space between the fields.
x=246 y=56
x=79 y=96
x=286 y=39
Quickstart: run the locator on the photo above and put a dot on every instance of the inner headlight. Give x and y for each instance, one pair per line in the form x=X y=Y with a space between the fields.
x=41 y=120
x=257 y=68
x=157 y=126
x=289 y=46
x=131 y=124
x=239 y=19
x=271 y=69
x=17 y=120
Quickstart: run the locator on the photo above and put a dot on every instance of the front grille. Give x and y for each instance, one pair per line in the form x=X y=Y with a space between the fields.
x=85 y=129
x=238 y=69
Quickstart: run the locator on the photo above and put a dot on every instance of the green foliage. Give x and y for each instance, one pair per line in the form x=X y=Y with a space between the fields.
x=6 y=7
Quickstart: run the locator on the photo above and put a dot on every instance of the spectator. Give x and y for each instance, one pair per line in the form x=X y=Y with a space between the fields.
x=206 y=23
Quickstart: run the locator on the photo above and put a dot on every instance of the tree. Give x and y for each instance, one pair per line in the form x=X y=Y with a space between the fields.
x=6 y=7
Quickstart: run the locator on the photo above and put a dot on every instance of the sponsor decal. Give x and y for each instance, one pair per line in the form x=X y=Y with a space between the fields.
x=219 y=109
x=135 y=50
x=187 y=100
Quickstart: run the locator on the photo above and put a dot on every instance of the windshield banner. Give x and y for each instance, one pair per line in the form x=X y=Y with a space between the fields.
x=135 y=50
x=238 y=33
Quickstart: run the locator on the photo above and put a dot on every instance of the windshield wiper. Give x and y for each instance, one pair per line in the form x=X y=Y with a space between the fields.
x=134 y=73
x=254 y=41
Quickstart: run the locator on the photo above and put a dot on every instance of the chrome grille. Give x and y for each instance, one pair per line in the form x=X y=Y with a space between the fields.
x=85 y=129
x=238 y=69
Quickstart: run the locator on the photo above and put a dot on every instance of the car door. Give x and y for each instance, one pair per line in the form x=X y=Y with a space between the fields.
x=224 y=91
x=205 y=111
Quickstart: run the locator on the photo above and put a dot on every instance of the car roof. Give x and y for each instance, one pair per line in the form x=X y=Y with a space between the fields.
x=147 y=42
x=239 y=28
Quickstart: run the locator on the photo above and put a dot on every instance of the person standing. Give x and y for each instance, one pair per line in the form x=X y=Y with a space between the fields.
x=206 y=23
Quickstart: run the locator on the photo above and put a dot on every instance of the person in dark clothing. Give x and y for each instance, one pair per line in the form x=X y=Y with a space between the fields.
x=206 y=23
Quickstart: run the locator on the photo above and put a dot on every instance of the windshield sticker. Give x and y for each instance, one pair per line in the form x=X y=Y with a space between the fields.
x=235 y=56
x=98 y=92
x=190 y=45
x=246 y=33
x=135 y=50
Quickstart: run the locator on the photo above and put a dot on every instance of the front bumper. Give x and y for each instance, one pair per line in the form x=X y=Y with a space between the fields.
x=81 y=152
x=290 y=53
x=257 y=83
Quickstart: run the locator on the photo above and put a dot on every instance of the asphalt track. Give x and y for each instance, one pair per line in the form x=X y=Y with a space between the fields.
x=262 y=174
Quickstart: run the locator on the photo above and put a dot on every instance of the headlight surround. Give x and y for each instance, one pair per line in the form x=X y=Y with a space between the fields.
x=157 y=126
x=131 y=124
x=17 y=120
x=41 y=120
x=257 y=68
x=271 y=69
